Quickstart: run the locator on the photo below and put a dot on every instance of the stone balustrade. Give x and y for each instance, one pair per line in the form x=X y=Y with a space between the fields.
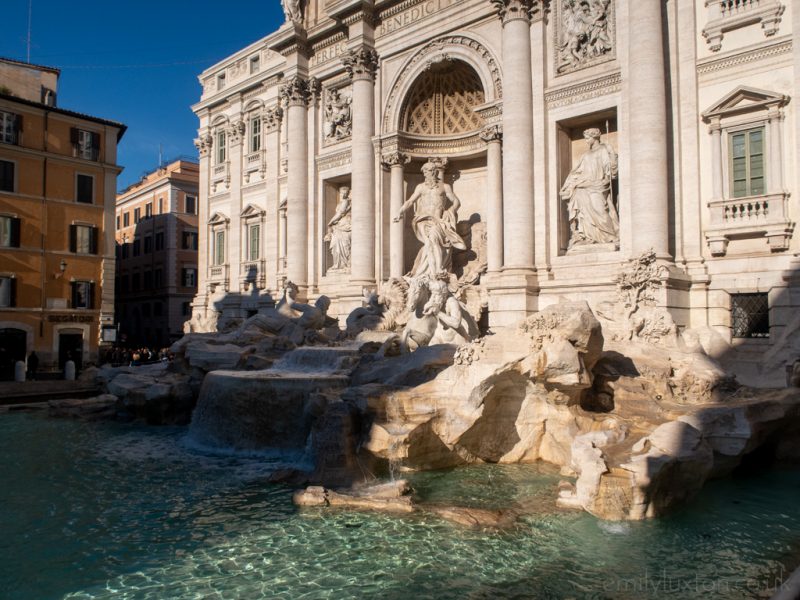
x=750 y=217
x=727 y=15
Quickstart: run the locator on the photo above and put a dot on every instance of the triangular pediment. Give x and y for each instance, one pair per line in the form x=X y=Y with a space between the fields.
x=218 y=219
x=251 y=210
x=745 y=99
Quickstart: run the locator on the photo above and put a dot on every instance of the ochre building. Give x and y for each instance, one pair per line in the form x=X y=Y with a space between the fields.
x=58 y=174
x=575 y=136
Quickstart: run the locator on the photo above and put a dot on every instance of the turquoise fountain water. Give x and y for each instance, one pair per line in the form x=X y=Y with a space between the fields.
x=106 y=511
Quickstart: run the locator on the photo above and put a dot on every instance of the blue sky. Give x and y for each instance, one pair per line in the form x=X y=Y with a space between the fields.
x=136 y=61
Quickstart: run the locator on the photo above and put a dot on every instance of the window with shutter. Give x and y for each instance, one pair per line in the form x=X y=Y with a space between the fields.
x=84 y=189
x=255 y=134
x=83 y=239
x=7 y=176
x=82 y=294
x=9 y=232
x=7 y=292
x=221 y=147
x=219 y=248
x=747 y=163
x=254 y=242
x=10 y=126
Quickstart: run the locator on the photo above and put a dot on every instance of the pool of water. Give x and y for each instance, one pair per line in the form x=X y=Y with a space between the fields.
x=111 y=511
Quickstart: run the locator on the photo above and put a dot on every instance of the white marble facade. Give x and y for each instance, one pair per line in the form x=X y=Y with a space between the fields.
x=575 y=134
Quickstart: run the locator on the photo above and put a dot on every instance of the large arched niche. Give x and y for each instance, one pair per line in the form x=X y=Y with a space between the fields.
x=443 y=100
x=438 y=54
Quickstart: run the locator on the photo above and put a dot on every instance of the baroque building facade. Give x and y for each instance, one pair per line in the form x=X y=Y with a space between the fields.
x=541 y=144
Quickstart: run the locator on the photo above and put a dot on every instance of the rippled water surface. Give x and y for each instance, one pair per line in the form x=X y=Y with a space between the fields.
x=106 y=511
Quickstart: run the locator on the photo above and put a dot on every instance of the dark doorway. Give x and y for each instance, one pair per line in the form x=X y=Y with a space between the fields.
x=13 y=347
x=70 y=347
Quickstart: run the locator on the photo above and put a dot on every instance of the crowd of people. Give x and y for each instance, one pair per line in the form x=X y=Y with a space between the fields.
x=136 y=356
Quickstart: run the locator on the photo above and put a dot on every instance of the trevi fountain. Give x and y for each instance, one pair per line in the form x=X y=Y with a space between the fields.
x=409 y=451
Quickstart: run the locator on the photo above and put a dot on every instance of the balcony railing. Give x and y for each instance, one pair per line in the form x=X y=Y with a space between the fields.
x=747 y=218
x=218 y=273
x=727 y=15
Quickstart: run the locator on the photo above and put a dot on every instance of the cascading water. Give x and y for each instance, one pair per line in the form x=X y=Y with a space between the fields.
x=272 y=410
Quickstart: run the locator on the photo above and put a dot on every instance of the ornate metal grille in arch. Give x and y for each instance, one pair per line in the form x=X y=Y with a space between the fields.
x=442 y=101
x=750 y=315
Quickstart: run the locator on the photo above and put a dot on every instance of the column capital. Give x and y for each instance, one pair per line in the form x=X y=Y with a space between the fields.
x=204 y=144
x=395 y=159
x=236 y=131
x=492 y=133
x=361 y=63
x=272 y=118
x=295 y=92
x=775 y=113
x=511 y=10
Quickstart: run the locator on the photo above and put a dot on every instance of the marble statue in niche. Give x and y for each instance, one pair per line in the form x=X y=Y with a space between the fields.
x=339 y=234
x=293 y=10
x=338 y=123
x=585 y=33
x=434 y=224
x=593 y=217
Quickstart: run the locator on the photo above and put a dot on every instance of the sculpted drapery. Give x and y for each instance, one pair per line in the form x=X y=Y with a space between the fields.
x=592 y=215
x=340 y=232
x=435 y=217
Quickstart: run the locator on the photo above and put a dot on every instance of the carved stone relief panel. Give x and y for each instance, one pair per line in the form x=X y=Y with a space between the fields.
x=585 y=34
x=337 y=123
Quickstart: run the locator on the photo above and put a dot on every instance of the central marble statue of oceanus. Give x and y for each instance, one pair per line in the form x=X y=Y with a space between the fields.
x=435 y=217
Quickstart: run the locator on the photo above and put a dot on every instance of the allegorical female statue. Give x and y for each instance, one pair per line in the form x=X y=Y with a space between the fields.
x=293 y=10
x=340 y=232
x=435 y=217
x=592 y=215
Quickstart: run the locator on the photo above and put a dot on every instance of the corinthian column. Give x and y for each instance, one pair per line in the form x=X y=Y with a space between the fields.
x=518 y=213
x=493 y=136
x=295 y=95
x=649 y=188
x=396 y=163
x=361 y=65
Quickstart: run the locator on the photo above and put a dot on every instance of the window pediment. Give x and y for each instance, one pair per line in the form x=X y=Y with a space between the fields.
x=218 y=219
x=745 y=99
x=251 y=211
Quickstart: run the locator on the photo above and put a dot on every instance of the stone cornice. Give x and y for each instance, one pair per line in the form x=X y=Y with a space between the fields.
x=331 y=161
x=340 y=36
x=723 y=63
x=584 y=90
